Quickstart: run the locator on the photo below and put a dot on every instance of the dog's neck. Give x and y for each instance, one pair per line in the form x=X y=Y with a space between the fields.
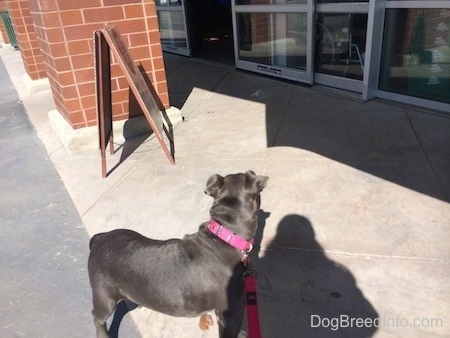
x=229 y=236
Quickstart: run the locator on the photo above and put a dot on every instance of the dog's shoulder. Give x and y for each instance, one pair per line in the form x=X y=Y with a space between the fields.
x=199 y=244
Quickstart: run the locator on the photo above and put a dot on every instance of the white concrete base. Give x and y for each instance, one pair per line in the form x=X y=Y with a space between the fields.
x=34 y=86
x=86 y=140
x=6 y=46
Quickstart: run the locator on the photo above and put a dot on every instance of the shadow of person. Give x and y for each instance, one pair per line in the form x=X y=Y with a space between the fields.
x=302 y=293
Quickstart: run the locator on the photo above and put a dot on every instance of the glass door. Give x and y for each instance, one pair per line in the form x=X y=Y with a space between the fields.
x=340 y=43
x=172 y=26
x=416 y=53
x=274 y=37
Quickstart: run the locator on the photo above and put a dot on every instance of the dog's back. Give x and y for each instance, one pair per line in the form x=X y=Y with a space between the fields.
x=93 y=240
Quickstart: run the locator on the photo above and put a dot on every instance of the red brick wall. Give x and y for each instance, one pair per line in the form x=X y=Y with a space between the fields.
x=65 y=31
x=260 y=27
x=259 y=24
x=3 y=7
x=33 y=61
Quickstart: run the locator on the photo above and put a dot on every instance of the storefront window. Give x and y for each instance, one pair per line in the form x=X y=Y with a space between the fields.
x=168 y=2
x=339 y=1
x=274 y=39
x=270 y=2
x=172 y=29
x=341 y=44
x=416 y=53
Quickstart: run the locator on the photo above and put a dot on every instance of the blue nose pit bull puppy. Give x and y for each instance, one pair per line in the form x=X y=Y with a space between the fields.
x=184 y=277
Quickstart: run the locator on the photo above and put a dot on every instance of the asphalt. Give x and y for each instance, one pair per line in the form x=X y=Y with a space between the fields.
x=44 y=245
x=354 y=221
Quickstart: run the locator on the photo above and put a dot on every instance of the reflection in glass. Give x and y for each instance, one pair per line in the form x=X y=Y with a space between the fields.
x=341 y=44
x=271 y=2
x=172 y=29
x=168 y=2
x=416 y=53
x=275 y=39
x=339 y=1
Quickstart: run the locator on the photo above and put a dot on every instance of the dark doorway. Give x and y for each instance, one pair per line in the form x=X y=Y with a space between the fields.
x=211 y=31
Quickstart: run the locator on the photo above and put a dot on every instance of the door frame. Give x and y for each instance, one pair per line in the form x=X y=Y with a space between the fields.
x=338 y=81
x=175 y=6
x=305 y=76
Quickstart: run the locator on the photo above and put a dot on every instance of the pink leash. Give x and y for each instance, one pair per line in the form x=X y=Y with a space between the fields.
x=254 y=330
x=245 y=246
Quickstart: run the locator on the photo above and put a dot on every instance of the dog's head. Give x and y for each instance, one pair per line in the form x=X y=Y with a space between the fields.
x=236 y=200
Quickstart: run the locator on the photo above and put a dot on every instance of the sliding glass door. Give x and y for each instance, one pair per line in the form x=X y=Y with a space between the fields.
x=274 y=37
x=172 y=26
x=340 y=43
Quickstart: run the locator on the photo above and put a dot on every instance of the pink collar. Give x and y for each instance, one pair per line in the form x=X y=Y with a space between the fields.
x=229 y=236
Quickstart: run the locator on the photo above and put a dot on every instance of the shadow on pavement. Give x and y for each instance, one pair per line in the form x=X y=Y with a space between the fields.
x=301 y=292
x=400 y=144
x=137 y=131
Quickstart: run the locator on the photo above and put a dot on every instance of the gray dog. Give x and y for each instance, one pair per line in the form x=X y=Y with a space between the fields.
x=183 y=277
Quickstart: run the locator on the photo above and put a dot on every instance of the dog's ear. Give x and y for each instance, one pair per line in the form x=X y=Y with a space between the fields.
x=213 y=185
x=259 y=181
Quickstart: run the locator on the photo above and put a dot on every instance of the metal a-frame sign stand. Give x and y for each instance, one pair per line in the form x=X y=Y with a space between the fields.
x=107 y=41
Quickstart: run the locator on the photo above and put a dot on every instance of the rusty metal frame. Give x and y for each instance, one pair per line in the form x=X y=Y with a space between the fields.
x=104 y=100
x=107 y=41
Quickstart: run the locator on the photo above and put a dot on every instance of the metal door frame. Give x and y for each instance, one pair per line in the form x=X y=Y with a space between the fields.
x=337 y=81
x=276 y=71
x=171 y=8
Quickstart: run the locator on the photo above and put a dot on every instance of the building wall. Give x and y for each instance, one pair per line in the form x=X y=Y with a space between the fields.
x=260 y=27
x=3 y=7
x=64 y=36
x=19 y=10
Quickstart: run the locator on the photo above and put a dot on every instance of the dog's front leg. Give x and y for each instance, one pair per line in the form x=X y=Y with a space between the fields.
x=102 y=331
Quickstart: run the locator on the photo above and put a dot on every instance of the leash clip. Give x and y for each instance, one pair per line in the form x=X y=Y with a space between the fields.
x=245 y=259
x=250 y=273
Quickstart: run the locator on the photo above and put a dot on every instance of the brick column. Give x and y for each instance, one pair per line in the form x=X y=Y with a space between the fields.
x=3 y=7
x=65 y=32
x=33 y=61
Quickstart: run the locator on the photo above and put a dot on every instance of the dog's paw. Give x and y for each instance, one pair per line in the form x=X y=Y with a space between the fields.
x=205 y=322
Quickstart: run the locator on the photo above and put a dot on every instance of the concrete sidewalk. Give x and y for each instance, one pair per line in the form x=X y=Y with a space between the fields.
x=355 y=218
